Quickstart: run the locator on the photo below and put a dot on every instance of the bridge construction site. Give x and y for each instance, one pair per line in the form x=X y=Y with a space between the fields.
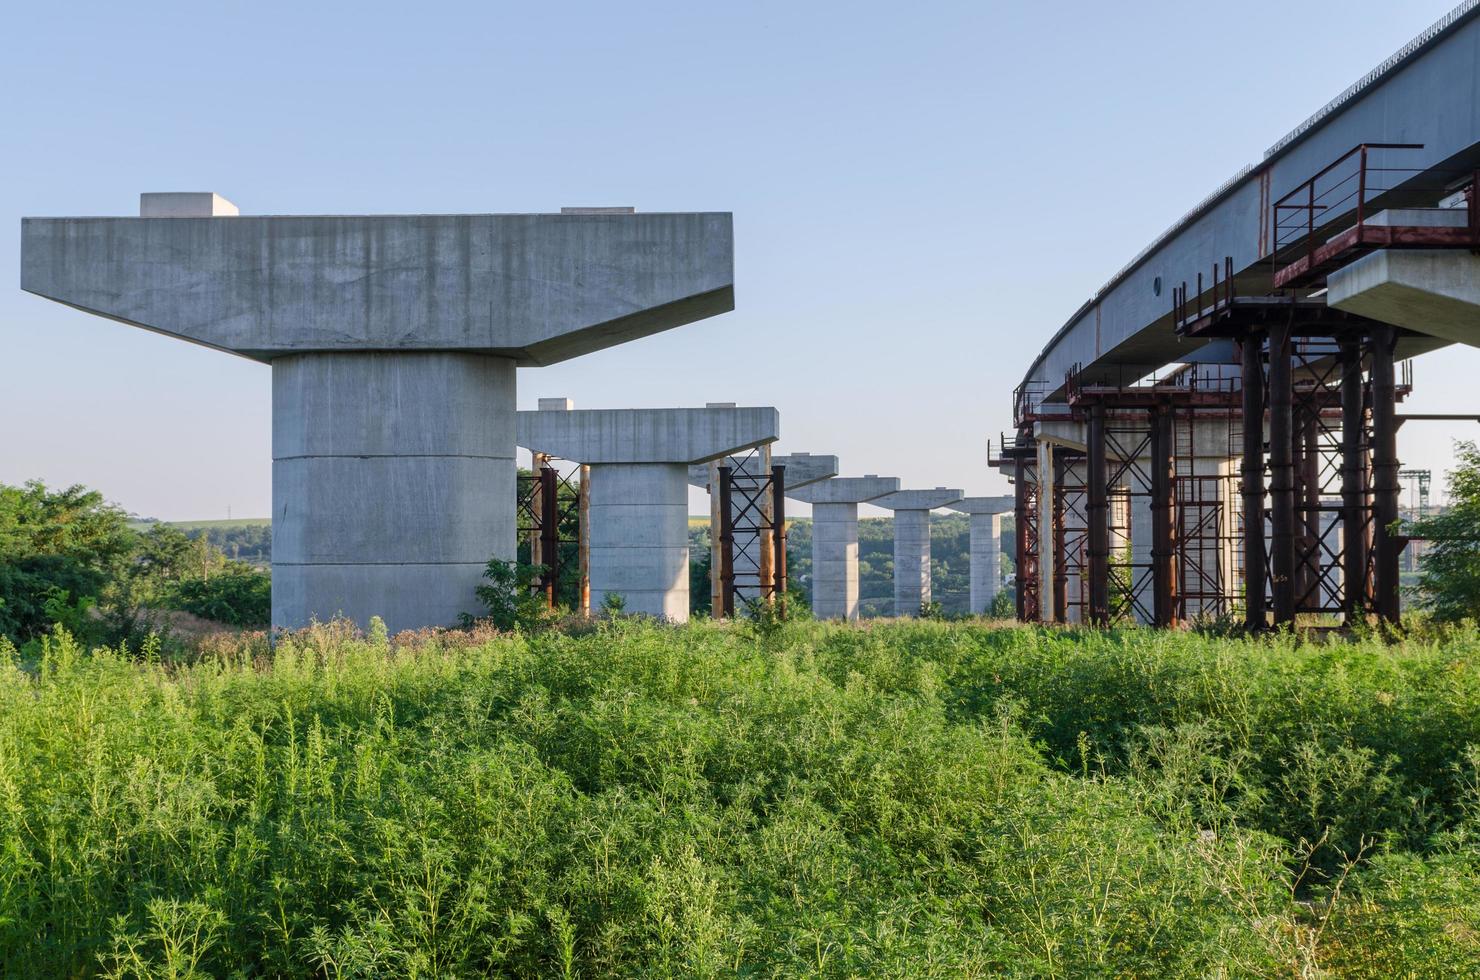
x=1215 y=434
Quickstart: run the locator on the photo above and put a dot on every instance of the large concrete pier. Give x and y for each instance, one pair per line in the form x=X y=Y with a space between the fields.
x=394 y=341
x=639 y=515
x=835 y=539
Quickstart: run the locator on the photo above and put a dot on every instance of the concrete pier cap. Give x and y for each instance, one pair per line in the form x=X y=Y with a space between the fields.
x=639 y=463
x=393 y=341
x=802 y=469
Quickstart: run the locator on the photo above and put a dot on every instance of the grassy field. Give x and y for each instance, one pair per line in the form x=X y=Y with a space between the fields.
x=222 y=525
x=900 y=799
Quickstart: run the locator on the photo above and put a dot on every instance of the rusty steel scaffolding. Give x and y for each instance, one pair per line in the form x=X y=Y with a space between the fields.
x=748 y=556
x=554 y=523
x=1265 y=487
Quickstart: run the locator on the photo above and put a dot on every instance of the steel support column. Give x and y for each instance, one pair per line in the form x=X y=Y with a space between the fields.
x=1281 y=476
x=778 y=538
x=1097 y=507
x=1021 y=518
x=1353 y=486
x=550 y=531
x=1163 y=542
x=727 y=545
x=1057 y=534
x=1253 y=483
x=1385 y=466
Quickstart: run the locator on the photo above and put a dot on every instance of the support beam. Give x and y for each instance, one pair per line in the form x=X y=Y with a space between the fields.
x=1385 y=466
x=1353 y=486
x=1253 y=483
x=1282 y=476
x=1058 y=537
x=779 y=583
x=1021 y=522
x=1098 y=513
x=1163 y=540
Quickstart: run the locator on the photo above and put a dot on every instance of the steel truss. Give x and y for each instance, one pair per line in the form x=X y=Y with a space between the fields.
x=751 y=538
x=554 y=525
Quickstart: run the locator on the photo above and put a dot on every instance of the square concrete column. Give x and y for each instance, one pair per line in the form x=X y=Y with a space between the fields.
x=393 y=341
x=986 y=547
x=912 y=543
x=638 y=463
x=835 y=540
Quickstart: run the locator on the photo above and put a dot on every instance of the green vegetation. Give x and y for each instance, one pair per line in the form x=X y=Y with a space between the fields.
x=1449 y=580
x=902 y=799
x=68 y=557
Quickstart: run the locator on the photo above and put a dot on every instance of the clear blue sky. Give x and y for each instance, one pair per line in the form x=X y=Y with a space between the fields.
x=922 y=193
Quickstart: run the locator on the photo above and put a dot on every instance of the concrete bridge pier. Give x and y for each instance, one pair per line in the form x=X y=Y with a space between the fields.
x=638 y=460
x=912 y=543
x=393 y=341
x=835 y=540
x=986 y=547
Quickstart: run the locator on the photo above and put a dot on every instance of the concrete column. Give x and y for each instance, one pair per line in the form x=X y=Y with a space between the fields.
x=835 y=561
x=835 y=539
x=911 y=561
x=912 y=543
x=393 y=484
x=986 y=547
x=639 y=537
x=639 y=462
x=1047 y=572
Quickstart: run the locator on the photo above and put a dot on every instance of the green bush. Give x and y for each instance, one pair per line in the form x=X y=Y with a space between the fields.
x=239 y=595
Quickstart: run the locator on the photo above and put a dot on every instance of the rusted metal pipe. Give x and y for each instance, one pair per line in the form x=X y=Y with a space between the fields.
x=1353 y=489
x=1163 y=543
x=1385 y=465
x=1098 y=512
x=1281 y=476
x=1253 y=483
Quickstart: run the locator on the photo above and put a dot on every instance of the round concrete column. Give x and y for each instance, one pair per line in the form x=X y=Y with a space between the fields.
x=639 y=537
x=986 y=561
x=911 y=561
x=393 y=484
x=835 y=561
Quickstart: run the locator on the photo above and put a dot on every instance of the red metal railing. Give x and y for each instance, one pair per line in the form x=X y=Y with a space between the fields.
x=1188 y=307
x=1327 y=217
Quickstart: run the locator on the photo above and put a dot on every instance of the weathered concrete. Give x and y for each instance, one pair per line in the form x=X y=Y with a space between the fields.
x=538 y=288
x=638 y=467
x=392 y=484
x=393 y=341
x=912 y=543
x=801 y=469
x=835 y=539
x=1434 y=292
x=986 y=547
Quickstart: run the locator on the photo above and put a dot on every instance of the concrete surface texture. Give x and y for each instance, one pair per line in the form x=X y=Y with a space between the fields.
x=639 y=464
x=392 y=484
x=393 y=340
x=801 y=469
x=986 y=547
x=639 y=537
x=1435 y=292
x=835 y=539
x=912 y=543
x=647 y=435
